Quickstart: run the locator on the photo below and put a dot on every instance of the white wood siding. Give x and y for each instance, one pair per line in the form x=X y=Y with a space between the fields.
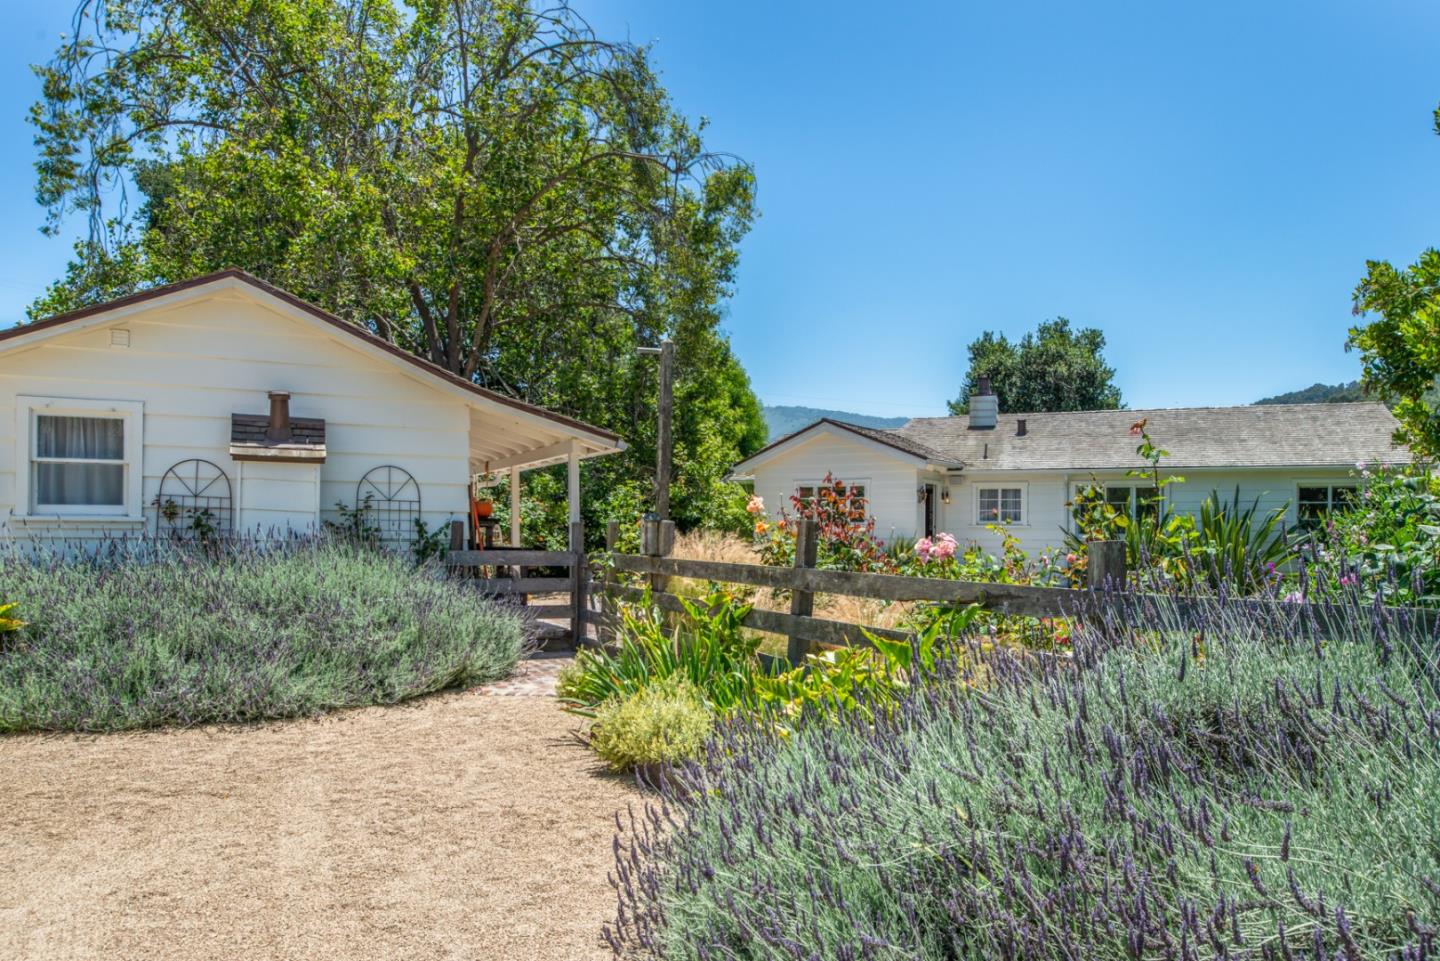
x=1043 y=508
x=195 y=364
x=890 y=482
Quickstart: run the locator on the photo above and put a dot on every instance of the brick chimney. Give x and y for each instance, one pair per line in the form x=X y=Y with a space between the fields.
x=984 y=405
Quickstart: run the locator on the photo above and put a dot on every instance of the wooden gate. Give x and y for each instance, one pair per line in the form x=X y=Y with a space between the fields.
x=528 y=579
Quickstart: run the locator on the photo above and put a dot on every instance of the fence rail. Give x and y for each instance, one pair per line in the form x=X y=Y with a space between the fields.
x=512 y=581
x=1104 y=597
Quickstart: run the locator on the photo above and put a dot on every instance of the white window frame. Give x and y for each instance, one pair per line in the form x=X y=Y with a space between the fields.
x=861 y=482
x=1023 y=488
x=1348 y=483
x=1133 y=504
x=130 y=412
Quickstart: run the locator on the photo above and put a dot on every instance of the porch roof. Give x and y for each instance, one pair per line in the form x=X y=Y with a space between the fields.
x=501 y=440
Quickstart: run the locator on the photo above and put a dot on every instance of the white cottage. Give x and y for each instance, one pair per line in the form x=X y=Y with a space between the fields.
x=962 y=474
x=226 y=402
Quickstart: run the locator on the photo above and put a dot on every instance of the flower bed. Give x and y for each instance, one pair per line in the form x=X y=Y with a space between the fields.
x=1195 y=790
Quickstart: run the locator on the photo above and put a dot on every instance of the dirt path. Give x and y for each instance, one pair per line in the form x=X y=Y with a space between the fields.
x=461 y=826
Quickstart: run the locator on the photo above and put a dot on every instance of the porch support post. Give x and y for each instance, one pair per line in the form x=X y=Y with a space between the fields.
x=514 y=507
x=573 y=488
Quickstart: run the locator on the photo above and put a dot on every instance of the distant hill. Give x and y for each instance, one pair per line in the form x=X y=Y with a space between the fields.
x=1319 y=394
x=784 y=420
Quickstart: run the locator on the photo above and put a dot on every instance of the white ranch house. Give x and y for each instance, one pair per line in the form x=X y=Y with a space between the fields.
x=960 y=474
x=228 y=399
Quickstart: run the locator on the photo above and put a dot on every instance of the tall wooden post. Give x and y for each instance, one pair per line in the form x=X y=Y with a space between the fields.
x=802 y=603
x=579 y=576
x=663 y=440
x=657 y=539
x=1105 y=565
x=605 y=631
x=514 y=507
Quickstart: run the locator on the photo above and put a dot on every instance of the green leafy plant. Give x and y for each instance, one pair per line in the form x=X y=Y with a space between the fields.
x=663 y=723
x=1237 y=547
x=1385 y=543
x=708 y=646
x=354 y=523
x=429 y=544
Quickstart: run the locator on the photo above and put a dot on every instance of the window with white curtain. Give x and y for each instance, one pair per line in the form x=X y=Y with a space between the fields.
x=83 y=456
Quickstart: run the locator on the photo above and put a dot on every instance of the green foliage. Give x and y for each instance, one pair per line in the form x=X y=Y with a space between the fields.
x=1052 y=368
x=179 y=635
x=708 y=647
x=1400 y=348
x=836 y=681
x=663 y=723
x=1385 y=543
x=488 y=185
x=1237 y=548
x=1318 y=393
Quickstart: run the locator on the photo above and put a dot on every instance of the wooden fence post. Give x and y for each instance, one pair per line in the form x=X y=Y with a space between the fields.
x=657 y=539
x=605 y=630
x=802 y=603
x=578 y=579
x=1105 y=565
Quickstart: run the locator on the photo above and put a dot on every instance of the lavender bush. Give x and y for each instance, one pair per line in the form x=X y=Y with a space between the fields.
x=145 y=636
x=1212 y=786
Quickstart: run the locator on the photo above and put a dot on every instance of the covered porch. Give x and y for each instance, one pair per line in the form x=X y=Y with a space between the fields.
x=508 y=439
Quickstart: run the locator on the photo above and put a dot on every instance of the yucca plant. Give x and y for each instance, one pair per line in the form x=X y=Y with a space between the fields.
x=1236 y=548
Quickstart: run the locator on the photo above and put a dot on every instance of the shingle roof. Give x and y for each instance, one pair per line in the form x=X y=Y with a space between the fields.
x=891 y=439
x=1270 y=435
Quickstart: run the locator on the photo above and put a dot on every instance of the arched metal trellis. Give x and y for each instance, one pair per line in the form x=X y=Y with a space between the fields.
x=389 y=497
x=194 y=502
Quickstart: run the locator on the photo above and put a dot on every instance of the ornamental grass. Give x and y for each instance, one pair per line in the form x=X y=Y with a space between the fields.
x=1195 y=782
x=142 y=635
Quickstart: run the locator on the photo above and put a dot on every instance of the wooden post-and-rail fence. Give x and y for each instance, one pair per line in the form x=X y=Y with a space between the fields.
x=511 y=578
x=805 y=632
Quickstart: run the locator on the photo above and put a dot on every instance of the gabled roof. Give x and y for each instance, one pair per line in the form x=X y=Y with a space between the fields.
x=888 y=438
x=1263 y=435
x=602 y=440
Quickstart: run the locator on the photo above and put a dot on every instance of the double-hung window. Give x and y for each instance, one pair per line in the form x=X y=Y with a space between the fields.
x=1134 y=500
x=1315 y=501
x=78 y=458
x=999 y=505
x=847 y=500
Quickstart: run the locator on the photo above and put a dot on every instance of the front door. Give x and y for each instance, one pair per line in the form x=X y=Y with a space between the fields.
x=929 y=510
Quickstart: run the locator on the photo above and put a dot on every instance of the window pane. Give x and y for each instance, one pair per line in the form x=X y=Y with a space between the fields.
x=1314 y=495
x=1341 y=497
x=92 y=438
x=988 y=503
x=1010 y=505
x=80 y=485
x=1147 y=502
x=1118 y=497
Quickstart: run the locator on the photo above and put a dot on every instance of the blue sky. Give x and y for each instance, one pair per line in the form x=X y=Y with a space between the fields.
x=1203 y=182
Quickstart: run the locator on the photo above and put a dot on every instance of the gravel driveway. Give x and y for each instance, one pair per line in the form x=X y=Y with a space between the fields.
x=467 y=825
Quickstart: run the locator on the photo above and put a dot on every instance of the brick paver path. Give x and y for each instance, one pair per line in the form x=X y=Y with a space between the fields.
x=533 y=678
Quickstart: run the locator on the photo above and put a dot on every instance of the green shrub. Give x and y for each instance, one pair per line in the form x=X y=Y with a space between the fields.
x=152 y=635
x=665 y=723
x=1385 y=542
x=708 y=646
